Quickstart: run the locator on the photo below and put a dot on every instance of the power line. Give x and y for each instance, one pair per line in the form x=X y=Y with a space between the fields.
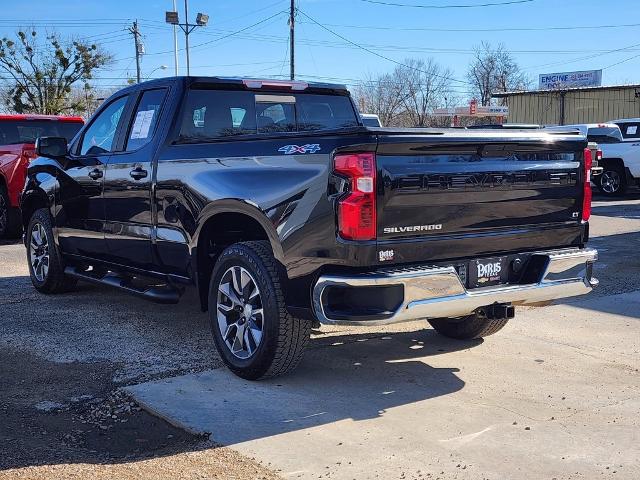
x=478 y=5
x=588 y=57
x=372 y=52
x=403 y=48
x=501 y=29
x=621 y=62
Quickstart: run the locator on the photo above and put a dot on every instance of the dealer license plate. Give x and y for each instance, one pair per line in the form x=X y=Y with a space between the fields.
x=488 y=271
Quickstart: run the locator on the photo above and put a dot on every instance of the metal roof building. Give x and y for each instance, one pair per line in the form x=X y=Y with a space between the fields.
x=572 y=105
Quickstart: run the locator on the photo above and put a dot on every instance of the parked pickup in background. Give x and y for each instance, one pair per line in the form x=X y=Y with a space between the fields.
x=18 y=134
x=630 y=128
x=620 y=159
x=284 y=211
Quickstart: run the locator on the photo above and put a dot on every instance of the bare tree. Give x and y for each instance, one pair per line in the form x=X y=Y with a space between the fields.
x=425 y=85
x=407 y=96
x=494 y=70
x=381 y=95
x=43 y=75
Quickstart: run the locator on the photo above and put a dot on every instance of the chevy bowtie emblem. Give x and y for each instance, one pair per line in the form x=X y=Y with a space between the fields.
x=308 y=148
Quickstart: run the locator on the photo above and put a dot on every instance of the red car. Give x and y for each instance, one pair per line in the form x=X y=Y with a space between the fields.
x=18 y=135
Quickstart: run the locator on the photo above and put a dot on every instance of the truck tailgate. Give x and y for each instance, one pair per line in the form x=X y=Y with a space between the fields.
x=465 y=195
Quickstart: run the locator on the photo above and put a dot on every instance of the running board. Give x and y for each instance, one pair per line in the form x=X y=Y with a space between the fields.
x=163 y=294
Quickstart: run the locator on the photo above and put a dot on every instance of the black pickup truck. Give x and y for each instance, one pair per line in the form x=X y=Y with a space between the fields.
x=283 y=210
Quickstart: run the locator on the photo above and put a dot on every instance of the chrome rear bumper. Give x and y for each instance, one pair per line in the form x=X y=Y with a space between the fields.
x=436 y=292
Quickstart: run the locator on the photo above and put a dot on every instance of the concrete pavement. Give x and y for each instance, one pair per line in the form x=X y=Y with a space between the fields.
x=554 y=395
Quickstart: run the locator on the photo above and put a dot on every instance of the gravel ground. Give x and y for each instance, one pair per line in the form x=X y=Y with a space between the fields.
x=65 y=357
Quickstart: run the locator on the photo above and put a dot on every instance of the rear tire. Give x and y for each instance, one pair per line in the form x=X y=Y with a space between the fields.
x=254 y=333
x=46 y=266
x=9 y=224
x=613 y=180
x=467 y=328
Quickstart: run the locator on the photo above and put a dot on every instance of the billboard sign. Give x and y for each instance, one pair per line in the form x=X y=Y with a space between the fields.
x=556 y=81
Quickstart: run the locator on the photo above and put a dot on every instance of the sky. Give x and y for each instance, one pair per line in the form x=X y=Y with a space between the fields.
x=360 y=38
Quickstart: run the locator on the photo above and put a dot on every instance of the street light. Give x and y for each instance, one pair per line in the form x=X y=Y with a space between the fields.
x=202 y=19
x=172 y=18
x=161 y=67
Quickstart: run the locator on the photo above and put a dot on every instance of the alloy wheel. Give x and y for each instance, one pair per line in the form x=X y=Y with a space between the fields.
x=239 y=312
x=39 y=252
x=610 y=181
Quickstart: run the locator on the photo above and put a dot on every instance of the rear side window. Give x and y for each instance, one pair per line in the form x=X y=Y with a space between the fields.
x=145 y=118
x=211 y=114
x=630 y=130
x=604 y=135
x=27 y=131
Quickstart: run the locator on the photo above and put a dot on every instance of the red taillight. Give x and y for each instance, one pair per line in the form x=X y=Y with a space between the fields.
x=599 y=155
x=586 y=199
x=357 y=210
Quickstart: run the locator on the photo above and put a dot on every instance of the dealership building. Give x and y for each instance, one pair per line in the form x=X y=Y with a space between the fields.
x=569 y=98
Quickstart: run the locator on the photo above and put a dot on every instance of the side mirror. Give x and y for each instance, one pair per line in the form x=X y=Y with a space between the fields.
x=51 y=147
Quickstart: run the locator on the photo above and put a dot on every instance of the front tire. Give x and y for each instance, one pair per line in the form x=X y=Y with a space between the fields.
x=613 y=180
x=467 y=328
x=46 y=267
x=254 y=333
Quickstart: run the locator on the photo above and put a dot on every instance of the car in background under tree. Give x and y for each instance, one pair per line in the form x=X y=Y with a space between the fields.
x=18 y=134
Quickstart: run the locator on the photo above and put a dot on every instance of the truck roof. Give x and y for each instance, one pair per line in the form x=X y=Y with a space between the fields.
x=251 y=84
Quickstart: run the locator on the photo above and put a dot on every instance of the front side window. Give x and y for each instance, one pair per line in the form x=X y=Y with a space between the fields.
x=145 y=118
x=99 y=138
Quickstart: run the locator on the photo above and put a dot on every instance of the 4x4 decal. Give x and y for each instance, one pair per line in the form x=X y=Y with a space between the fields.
x=308 y=148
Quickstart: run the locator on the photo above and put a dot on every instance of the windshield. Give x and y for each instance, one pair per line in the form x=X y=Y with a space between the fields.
x=27 y=131
x=604 y=135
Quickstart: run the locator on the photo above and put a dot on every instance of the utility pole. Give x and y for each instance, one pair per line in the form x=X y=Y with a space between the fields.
x=175 y=41
x=139 y=49
x=292 y=42
x=187 y=31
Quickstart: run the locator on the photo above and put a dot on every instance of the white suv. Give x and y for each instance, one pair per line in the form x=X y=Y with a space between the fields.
x=620 y=158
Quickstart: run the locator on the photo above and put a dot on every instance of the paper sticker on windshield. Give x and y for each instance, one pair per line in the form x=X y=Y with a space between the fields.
x=308 y=148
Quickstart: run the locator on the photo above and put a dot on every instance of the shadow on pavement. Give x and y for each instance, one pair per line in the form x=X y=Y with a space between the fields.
x=346 y=377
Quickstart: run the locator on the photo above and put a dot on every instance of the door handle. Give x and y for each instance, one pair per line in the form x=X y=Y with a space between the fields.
x=95 y=174
x=138 y=173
